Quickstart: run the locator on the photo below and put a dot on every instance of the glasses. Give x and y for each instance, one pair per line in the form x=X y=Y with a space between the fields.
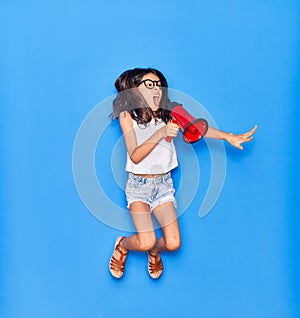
x=150 y=84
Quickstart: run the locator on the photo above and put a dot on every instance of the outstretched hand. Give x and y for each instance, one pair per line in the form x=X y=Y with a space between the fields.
x=237 y=140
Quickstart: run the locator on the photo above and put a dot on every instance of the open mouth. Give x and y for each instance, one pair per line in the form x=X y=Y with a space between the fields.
x=156 y=100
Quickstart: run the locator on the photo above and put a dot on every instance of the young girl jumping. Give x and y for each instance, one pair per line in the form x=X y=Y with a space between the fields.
x=141 y=106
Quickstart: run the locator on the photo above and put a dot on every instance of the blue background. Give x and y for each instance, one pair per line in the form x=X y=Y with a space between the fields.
x=240 y=59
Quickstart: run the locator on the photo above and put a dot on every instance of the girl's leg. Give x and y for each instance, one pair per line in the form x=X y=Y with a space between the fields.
x=167 y=218
x=143 y=240
x=170 y=241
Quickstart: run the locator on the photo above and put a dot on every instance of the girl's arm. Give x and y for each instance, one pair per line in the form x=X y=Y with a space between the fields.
x=138 y=153
x=234 y=140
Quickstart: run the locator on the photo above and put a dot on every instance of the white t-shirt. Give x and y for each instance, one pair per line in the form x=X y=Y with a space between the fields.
x=161 y=159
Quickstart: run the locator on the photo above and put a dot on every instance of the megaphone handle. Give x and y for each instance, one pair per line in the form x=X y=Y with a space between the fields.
x=169 y=139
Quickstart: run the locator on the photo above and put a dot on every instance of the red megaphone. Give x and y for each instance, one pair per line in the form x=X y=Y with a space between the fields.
x=193 y=129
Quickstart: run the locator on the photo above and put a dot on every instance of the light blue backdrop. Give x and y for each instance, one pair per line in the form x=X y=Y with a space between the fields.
x=59 y=59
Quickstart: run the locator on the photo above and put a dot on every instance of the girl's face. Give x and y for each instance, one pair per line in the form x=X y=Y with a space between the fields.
x=150 y=88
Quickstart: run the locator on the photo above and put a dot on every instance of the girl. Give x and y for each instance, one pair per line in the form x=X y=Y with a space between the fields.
x=141 y=106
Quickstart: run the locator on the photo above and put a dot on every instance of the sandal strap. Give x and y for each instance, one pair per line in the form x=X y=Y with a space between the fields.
x=153 y=254
x=155 y=266
x=120 y=249
x=118 y=264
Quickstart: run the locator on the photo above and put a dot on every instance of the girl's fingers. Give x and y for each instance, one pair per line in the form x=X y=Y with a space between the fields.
x=172 y=130
x=237 y=140
x=173 y=125
x=252 y=131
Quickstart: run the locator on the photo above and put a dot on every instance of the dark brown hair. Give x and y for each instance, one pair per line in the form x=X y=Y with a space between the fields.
x=131 y=100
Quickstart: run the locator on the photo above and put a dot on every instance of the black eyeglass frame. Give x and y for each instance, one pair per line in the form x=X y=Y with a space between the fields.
x=157 y=83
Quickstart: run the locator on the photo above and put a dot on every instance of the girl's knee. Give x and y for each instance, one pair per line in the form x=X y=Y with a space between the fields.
x=146 y=242
x=173 y=244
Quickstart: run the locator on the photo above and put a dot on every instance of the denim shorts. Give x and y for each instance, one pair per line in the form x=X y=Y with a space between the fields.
x=153 y=191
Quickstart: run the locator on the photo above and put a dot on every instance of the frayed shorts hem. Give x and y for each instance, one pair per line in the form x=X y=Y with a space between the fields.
x=153 y=206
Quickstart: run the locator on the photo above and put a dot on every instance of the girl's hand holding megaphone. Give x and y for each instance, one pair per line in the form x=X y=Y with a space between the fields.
x=171 y=130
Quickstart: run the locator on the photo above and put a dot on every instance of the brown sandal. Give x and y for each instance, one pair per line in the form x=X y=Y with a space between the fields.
x=117 y=266
x=155 y=269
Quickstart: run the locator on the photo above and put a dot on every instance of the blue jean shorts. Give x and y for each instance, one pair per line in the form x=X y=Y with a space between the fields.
x=153 y=191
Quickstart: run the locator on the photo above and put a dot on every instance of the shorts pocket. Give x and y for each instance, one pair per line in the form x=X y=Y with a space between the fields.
x=168 y=183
